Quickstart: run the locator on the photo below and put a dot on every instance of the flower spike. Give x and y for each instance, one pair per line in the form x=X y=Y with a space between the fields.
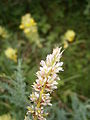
x=45 y=83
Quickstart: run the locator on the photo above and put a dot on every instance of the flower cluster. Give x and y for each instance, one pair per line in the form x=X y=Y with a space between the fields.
x=45 y=83
x=69 y=36
x=3 y=33
x=11 y=54
x=29 y=26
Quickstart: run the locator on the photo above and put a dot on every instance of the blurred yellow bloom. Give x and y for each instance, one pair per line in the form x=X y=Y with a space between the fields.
x=65 y=44
x=30 y=23
x=5 y=117
x=70 y=35
x=29 y=27
x=27 y=31
x=11 y=54
x=3 y=32
x=21 y=26
x=27 y=24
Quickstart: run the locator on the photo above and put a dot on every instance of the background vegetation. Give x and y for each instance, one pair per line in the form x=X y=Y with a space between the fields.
x=53 y=19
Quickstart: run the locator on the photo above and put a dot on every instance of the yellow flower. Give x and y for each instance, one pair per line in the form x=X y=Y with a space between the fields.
x=28 y=24
x=33 y=22
x=3 y=32
x=70 y=35
x=29 y=27
x=27 y=30
x=5 y=117
x=11 y=54
x=21 y=26
x=65 y=44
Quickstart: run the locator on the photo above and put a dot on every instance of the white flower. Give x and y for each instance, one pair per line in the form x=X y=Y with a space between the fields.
x=46 y=82
x=34 y=96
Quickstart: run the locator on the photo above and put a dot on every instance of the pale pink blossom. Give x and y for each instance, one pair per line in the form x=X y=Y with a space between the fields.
x=46 y=82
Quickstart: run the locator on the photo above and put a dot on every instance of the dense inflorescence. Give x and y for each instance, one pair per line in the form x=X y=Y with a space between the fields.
x=45 y=83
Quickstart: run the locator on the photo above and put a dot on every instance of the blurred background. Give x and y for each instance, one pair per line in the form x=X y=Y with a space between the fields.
x=29 y=30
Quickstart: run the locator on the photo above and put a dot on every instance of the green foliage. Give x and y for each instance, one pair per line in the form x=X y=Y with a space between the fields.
x=16 y=91
x=53 y=19
x=78 y=110
x=87 y=10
